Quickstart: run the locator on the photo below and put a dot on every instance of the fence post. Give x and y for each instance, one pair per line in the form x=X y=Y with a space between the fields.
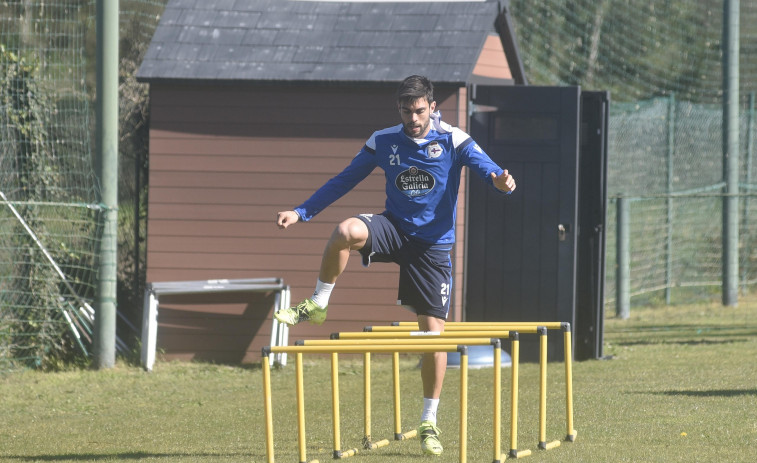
x=749 y=155
x=669 y=202
x=731 y=152
x=623 y=257
x=107 y=156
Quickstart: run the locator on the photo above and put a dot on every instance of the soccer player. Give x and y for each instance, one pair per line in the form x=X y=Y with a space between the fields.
x=422 y=159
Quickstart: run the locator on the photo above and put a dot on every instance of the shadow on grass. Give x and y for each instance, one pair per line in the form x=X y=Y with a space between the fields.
x=737 y=329
x=712 y=393
x=691 y=342
x=121 y=456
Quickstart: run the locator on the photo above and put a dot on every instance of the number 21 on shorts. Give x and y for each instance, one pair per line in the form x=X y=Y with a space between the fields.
x=446 y=291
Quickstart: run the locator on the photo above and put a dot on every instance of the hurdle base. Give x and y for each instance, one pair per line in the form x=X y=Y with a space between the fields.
x=339 y=454
x=514 y=453
x=406 y=435
x=572 y=436
x=549 y=445
x=368 y=445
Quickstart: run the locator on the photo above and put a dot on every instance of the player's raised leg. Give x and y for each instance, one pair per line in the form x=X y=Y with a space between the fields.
x=349 y=235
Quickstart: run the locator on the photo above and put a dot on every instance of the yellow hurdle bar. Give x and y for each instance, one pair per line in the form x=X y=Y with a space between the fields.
x=405 y=341
x=335 y=409
x=405 y=334
x=300 y=392
x=572 y=433
x=398 y=434
x=543 y=444
x=386 y=348
x=437 y=345
x=514 y=452
x=464 y=325
x=367 y=400
x=367 y=435
x=402 y=332
x=267 y=407
x=497 y=403
x=463 y=405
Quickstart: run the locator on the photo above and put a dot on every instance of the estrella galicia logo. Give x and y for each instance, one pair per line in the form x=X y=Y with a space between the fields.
x=415 y=182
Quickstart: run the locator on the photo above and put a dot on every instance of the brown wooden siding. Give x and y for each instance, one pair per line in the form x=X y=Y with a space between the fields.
x=223 y=161
x=492 y=62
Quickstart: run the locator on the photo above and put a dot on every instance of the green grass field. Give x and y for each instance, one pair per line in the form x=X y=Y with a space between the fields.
x=681 y=386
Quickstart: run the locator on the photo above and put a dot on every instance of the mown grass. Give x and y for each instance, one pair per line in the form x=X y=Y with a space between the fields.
x=681 y=386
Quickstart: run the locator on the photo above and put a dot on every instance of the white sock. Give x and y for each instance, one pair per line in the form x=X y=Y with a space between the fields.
x=322 y=293
x=429 y=410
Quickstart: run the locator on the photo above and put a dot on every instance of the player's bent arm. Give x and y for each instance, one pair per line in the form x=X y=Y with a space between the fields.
x=360 y=167
x=480 y=162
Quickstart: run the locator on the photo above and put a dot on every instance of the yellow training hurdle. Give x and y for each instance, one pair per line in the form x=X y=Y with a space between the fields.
x=490 y=329
x=410 y=340
x=400 y=338
x=334 y=350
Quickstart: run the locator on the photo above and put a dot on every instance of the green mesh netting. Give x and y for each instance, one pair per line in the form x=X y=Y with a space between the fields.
x=50 y=221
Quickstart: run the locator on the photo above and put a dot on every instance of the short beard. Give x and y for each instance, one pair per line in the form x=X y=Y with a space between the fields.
x=422 y=131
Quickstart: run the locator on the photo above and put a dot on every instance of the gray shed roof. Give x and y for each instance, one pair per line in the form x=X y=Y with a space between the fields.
x=288 y=40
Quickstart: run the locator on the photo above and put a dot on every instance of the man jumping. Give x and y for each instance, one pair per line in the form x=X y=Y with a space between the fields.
x=422 y=159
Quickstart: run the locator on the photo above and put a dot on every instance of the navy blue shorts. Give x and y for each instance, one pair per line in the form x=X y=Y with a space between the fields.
x=425 y=269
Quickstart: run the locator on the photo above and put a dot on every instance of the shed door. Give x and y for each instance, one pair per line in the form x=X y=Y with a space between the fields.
x=521 y=249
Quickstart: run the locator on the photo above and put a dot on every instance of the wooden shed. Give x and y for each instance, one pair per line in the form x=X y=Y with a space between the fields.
x=256 y=104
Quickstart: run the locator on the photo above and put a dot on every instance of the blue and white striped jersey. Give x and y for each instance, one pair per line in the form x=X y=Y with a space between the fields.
x=422 y=178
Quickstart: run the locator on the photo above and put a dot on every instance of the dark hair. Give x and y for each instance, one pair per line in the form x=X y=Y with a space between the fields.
x=415 y=87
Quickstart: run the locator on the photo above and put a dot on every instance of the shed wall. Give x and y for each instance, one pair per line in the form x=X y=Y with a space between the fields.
x=492 y=62
x=223 y=161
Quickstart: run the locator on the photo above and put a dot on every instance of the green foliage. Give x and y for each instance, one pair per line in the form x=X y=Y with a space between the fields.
x=28 y=306
x=635 y=49
x=26 y=104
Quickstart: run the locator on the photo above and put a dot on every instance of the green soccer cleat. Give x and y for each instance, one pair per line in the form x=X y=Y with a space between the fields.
x=305 y=310
x=429 y=435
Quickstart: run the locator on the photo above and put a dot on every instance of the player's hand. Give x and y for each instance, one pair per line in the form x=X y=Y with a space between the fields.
x=287 y=218
x=504 y=182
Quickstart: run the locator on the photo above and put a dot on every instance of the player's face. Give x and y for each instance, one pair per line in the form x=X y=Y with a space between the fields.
x=416 y=116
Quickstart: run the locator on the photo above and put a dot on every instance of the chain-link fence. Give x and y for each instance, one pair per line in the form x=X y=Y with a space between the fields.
x=661 y=61
x=671 y=171
x=50 y=221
